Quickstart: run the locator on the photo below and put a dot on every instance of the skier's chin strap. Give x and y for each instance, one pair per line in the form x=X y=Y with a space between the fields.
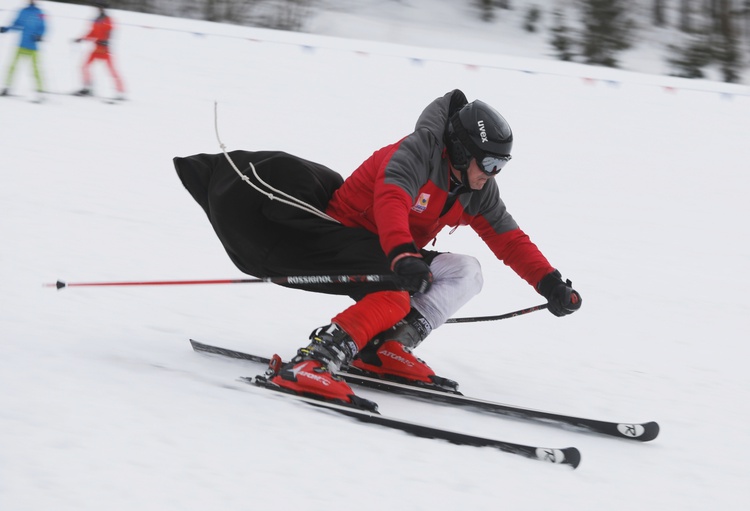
x=458 y=186
x=293 y=201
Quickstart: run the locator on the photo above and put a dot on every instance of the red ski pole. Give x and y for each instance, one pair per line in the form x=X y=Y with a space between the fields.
x=290 y=280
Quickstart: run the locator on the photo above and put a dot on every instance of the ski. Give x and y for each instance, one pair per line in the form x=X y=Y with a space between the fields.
x=642 y=432
x=569 y=456
x=37 y=100
x=103 y=99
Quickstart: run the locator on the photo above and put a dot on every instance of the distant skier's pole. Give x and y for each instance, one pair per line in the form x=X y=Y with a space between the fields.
x=291 y=281
x=477 y=319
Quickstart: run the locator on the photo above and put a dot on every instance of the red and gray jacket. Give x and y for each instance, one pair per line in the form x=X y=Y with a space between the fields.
x=401 y=190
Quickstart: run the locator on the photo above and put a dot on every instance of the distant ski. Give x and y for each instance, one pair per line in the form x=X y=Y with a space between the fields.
x=567 y=456
x=31 y=99
x=103 y=99
x=642 y=432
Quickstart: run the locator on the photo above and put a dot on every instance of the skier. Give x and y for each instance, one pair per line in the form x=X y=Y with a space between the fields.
x=30 y=22
x=100 y=33
x=381 y=218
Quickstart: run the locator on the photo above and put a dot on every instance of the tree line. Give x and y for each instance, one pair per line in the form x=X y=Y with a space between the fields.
x=708 y=33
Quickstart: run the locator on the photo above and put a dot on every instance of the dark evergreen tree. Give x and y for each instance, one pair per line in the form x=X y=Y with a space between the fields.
x=607 y=30
x=686 y=9
x=486 y=10
x=533 y=14
x=689 y=59
x=659 y=18
x=716 y=44
x=561 y=39
x=727 y=48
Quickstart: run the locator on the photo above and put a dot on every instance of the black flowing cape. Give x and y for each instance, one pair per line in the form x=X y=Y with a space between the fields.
x=267 y=238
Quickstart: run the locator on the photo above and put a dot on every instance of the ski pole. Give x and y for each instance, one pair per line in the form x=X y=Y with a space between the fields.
x=290 y=280
x=513 y=314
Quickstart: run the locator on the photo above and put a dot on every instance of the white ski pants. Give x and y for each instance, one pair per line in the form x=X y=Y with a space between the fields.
x=457 y=278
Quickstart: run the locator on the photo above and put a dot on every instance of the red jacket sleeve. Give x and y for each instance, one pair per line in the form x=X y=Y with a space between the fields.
x=515 y=249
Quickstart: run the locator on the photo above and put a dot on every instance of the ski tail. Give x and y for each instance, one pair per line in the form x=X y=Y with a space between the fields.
x=569 y=456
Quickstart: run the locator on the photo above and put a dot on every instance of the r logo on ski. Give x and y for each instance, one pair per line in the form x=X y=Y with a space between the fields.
x=631 y=430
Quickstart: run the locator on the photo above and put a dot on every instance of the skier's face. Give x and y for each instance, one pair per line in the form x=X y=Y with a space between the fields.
x=477 y=178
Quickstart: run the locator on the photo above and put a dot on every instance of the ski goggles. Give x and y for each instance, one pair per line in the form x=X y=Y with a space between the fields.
x=492 y=165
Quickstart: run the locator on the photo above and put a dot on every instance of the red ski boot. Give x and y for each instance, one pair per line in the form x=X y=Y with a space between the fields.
x=389 y=356
x=310 y=377
x=310 y=374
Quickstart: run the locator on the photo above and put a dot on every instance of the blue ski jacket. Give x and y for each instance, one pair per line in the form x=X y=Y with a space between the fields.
x=30 y=22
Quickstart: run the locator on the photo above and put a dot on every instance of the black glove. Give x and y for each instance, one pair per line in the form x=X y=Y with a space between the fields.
x=77 y=40
x=412 y=273
x=3 y=30
x=562 y=299
x=38 y=38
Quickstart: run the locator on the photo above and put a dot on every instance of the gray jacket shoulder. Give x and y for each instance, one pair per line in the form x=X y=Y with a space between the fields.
x=419 y=156
x=434 y=117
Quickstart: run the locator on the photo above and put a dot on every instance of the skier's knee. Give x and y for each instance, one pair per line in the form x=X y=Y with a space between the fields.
x=464 y=268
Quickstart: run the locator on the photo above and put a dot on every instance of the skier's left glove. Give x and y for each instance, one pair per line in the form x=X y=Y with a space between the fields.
x=412 y=272
x=562 y=299
x=3 y=30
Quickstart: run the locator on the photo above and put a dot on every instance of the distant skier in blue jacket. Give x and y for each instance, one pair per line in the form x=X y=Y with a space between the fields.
x=30 y=22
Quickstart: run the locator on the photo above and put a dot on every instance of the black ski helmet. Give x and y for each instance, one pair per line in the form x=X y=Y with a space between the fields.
x=477 y=131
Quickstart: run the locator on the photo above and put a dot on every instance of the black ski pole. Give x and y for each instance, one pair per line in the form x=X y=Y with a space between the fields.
x=477 y=319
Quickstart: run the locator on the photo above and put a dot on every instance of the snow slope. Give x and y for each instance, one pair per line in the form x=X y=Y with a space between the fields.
x=634 y=185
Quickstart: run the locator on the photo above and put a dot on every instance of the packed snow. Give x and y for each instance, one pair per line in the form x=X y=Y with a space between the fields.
x=634 y=185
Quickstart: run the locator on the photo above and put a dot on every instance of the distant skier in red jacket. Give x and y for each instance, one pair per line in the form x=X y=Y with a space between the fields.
x=100 y=34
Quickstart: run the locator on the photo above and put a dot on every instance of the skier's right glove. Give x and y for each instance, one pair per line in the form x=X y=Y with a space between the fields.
x=412 y=272
x=562 y=299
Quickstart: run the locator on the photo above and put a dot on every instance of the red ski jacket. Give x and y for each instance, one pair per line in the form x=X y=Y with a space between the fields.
x=400 y=192
x=100 y=33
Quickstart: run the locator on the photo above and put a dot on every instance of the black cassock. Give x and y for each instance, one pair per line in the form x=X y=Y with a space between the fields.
x=267 y=238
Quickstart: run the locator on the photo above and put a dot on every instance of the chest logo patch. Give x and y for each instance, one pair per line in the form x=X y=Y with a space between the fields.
x=421 y=205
